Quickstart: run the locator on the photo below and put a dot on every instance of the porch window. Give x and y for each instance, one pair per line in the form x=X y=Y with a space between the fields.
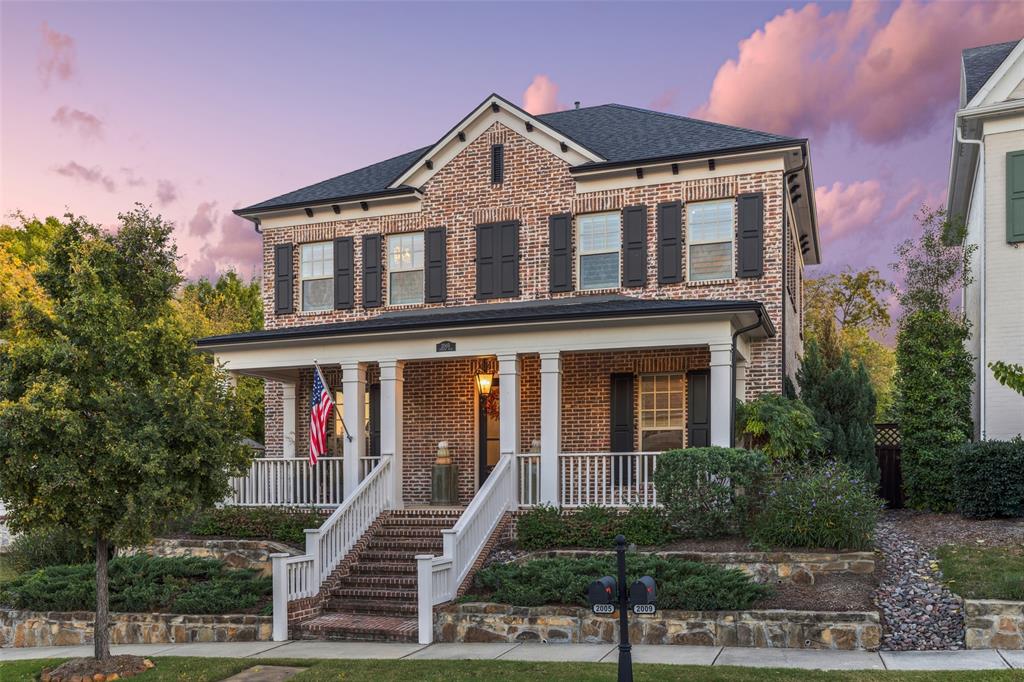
x=316 y=269
x=600 y=240
x=709 y=227
x=662 y=413
x=405 y=268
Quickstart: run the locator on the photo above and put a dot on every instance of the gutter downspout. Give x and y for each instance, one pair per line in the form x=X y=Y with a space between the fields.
x=732 y=375
x=981 y=279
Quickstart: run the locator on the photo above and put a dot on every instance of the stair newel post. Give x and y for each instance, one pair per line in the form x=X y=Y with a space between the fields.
x=280 y=585
x=425 y=597
x=313 y=550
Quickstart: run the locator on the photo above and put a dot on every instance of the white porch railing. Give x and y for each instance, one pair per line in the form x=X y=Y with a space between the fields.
x=302 y=576
x=366 y=465
x=283 y=481
x=608 y=479
x=528 y=479
x=438 y=578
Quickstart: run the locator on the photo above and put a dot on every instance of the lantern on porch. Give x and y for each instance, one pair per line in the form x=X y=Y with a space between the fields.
x=444 y=477
x=484 y=381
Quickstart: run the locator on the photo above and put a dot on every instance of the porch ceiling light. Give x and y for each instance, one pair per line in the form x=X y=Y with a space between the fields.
x=484 y=380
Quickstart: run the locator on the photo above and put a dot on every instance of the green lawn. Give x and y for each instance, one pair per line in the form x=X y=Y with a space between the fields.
x=983 y=572
x=210 y=669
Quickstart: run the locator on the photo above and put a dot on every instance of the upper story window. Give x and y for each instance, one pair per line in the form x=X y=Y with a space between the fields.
x=405 y=268
x=709 y=238
x=316 y=269
x=600 y=242
x=497 y=164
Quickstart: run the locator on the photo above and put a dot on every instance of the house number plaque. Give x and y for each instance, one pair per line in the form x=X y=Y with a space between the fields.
x=446 y=347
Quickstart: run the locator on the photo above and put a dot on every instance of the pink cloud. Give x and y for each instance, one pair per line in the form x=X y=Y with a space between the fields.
x=884 y=78
x=166 y=192
x=131 y=179
x=201 y=224
x=92 y=175
x=666 y=100
x=541 y=96
x=57 y=57
x=847 y=208
x=88 y=126
x=239 y=247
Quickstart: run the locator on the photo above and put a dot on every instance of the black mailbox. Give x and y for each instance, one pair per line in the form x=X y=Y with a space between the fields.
x=602 y=591
x=643 y=591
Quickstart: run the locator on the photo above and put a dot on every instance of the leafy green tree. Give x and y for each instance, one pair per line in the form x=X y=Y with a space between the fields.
x=780 y=427
x=22 y=250
x=839 y=394
x=1009 y=374
x=108 y=417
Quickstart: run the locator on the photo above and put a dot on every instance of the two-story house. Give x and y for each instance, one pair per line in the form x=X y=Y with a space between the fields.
x=986 y=190
x=558 y=298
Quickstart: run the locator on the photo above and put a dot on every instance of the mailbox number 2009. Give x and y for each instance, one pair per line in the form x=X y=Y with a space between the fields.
x=643 y=608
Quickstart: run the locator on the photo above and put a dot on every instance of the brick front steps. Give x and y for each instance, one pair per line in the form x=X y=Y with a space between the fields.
x=375 y=597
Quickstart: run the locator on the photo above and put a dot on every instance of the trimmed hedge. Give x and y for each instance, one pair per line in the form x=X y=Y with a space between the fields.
x=281 y=524
x=547 y=527
x=681 y=584
x=142 y=584
x=990 y=479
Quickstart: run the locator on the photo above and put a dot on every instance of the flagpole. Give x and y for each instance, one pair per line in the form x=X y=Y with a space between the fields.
x=333 y=402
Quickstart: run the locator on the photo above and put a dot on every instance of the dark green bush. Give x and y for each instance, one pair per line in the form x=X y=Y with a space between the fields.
x=781 y=427
x=546 y=527
x=681 y=584
x=818 y=506
x=39 y=549
x=282 y=524
x=141 y=584
x=709 y=492
x=990 y=479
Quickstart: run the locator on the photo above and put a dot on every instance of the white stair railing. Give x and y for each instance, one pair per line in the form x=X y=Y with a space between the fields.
x=302 y=576
x=438 y=578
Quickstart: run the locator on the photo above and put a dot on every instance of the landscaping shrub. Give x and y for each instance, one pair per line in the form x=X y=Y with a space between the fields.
x=783 y=428
x=822 y=506
x=681 y=584
x=281 y=524
x=709 y=492
x=547 y=527
x=990 y=479
x=141 y=584
x=39 y=549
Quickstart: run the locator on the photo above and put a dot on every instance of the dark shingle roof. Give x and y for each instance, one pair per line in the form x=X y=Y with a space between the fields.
x=614 y=131
x=981 y=62
x=575 y=308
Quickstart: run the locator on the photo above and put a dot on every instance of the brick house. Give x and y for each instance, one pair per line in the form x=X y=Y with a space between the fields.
x=614 y=276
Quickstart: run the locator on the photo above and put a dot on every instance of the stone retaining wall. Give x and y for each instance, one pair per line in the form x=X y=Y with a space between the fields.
x=764 y=567
x=994 y=624
x=235 y=553
x=52 y=628
x=485 y=622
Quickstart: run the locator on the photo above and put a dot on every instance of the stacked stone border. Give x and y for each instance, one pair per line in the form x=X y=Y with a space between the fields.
x=994 y=624
x=802 y=568
x=235 y=553
x=487 y=622
x=55 y=628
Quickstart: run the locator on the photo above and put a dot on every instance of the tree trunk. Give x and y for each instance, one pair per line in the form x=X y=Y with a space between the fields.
x=101 y=631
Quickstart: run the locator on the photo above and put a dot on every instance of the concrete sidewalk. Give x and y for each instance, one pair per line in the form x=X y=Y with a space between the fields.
x=605 y=653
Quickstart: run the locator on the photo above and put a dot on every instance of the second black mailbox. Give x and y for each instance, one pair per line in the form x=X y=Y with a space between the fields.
x=643 y=591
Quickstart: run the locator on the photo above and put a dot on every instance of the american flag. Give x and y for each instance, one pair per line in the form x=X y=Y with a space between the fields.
x=320 y=407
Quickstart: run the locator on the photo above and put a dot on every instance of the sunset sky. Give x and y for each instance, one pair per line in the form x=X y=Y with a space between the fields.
x=199 y=108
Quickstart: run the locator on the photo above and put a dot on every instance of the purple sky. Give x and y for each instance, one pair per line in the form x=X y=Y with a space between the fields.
x=199 y=108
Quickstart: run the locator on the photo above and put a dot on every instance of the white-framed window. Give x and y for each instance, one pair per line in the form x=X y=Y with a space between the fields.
x=599 y=240
x=405 y=268
x=316 y=272
x=709 y=239
x=662 y=412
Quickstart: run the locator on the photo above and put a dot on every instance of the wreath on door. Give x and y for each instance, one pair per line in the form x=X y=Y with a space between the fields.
x=492 y=403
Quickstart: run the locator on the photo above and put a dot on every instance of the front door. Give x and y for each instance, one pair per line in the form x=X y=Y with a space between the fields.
x=489 y=436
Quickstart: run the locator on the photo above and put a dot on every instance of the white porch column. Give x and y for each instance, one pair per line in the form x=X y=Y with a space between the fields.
x=721 y=396
x=288 y=419
x=391 y=380
x=508 y=415
x=353 y=383
x=550 y=425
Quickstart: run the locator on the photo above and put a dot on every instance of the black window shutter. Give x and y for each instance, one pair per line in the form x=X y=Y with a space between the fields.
x=436 y=275
x=497 y=164
x=698 y=417
x=670 y=242
x=344 y=273
x=750 y=208
x=622 y=423
x=486 y=270
x=497 y=260
x=283 y=279
x=508 y=259
x=634 y=246
x=560 y=252
x=371 y=271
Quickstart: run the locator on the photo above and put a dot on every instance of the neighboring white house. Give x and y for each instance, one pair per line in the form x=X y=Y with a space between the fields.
x=986 y=189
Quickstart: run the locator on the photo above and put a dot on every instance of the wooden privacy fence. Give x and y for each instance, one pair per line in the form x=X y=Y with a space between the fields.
x=887 y=450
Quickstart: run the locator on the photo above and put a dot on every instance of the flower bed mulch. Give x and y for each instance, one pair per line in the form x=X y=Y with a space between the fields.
x=835 y=592
x=113 y=668
x=934 y=530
